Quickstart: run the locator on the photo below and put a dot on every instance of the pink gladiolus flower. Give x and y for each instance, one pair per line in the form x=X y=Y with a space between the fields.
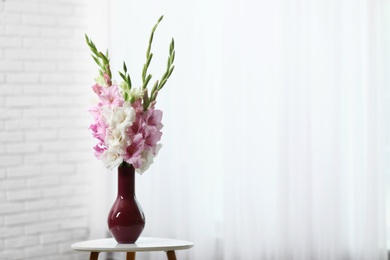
x=137 y=126
x=151 y=128
x=97 y=89
x=99 y=150
x=137 y=105
x=111 y=96
x=99 y=129
x=153 y=117
x=134 y=151
x=95 y=111
x=151 y=137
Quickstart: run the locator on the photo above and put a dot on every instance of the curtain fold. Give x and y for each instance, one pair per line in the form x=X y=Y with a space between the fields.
x=274 y=142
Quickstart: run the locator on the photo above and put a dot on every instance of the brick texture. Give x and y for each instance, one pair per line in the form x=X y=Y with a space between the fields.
x=44 y=67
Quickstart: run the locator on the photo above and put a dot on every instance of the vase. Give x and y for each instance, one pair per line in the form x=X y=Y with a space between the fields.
x=126 y=219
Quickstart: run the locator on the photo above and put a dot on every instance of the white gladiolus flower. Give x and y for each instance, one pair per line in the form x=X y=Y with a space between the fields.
x=111 y=159
x=119 y=118
x=136 y=93
x=147 y=159
x=117 y=141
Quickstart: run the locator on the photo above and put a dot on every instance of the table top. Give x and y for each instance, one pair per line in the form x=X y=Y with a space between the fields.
x=142 y=244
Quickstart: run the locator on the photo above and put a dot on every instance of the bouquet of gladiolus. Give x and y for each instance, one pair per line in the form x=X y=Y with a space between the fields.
x=126 y=122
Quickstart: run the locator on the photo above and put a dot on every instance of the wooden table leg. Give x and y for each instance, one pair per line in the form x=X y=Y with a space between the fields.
x=94 y=256
x=171 y=255
x=130 y=256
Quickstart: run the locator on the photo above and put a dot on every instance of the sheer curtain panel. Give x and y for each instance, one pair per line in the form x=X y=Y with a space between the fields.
x=273 y=144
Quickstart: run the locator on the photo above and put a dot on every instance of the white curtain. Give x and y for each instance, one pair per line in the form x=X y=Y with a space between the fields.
x=273 y=145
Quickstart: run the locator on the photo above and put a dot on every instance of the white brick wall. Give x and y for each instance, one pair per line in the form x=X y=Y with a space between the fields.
x=44 y=147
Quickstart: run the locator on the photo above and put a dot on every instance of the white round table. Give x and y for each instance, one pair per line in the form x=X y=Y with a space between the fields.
x=143 y=244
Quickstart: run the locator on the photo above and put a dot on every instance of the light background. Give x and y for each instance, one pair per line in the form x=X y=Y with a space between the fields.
x=275 y=137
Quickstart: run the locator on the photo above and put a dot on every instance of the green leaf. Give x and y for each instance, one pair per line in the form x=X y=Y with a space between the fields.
x=148 y=54
x=104 y=58
x=122 y=75
x=171 y=70
x=162 y=84
x=86 y=38
x=144 y=72
x=149 y=60
x=173 y=56
x=129 y=81
x=146 y=81
x=172 y=46
x=155 y=86
x=165 y=75
x=96 y=60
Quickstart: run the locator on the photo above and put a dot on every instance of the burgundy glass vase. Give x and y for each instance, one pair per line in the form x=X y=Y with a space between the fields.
x=126 y=219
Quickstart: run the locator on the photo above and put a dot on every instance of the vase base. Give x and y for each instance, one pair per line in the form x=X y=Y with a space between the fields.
x=126 y=242
x=127 y=235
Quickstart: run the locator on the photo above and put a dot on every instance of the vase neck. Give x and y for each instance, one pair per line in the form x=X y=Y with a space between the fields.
x=126 y=181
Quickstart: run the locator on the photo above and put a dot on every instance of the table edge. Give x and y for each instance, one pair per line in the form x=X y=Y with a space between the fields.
x=134 y=249
x=160 y=248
